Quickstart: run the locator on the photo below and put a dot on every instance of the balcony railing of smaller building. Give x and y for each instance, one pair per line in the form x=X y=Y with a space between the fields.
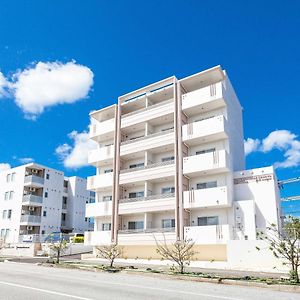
x=148 y=230
x=147 y=136
x=31 y=219
x=151 y=197
x=34 y=178
x=32 y=198
x=158 y=164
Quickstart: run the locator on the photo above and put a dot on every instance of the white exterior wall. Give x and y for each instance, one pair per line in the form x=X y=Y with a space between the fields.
x=211 y=118
x=49 y=210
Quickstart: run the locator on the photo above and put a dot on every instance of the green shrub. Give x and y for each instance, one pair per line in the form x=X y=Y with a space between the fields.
x=78 y=239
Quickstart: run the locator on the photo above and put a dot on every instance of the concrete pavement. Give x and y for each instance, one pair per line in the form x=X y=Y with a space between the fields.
x=26 y=281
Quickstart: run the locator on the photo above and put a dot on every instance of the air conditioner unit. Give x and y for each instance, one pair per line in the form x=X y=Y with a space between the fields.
x=31 y=208
x=34 y=171
x=29 y=227
x=32 y=189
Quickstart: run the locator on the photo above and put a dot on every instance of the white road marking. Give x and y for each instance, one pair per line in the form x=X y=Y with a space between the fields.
x=43 y=290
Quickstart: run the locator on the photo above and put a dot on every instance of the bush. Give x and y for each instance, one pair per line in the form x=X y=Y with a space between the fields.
x=78 y=239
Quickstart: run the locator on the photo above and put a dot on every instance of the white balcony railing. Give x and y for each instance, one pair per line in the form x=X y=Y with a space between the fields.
x=96 y=238
x=148 y=230
x=32 y=199
x=99 y=128
x=204 y=97
x=216 y=126
x=99 y=181
x=151 y=197
x=101 y=154
x=158 y=164
x=211 y=197
x=211 y=161
x=212 y=234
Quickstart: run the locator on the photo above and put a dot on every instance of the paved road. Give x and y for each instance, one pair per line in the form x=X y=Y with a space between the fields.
x=31 y=282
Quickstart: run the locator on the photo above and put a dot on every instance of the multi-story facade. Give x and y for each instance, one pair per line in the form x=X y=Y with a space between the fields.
x=168 y=167
x=35 y=199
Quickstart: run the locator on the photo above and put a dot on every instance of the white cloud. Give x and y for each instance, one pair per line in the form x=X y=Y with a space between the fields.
x=48 y=84
x=26 y=160
x=76 y=156
x=282 y=140
x=251 y=145
x=4 y=167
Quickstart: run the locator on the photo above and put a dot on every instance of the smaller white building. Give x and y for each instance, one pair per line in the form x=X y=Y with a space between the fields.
x=35 y=199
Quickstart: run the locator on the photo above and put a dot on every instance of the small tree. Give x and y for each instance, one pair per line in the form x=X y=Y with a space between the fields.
x=285 y=244
x=181 y=252
x=58 y=246
x=110 y=253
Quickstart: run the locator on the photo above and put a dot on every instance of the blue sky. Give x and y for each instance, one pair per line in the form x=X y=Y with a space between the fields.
x=128 y=44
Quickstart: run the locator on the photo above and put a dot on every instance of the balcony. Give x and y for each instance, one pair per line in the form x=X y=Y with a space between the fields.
x=99 y=155
x=146 y=236
x=153 y=203
x=148 y=113
x=98 y=130
x=207 y=163
x=32 y=200
x=30 y=219
x=207 y=130
x=152 y=171
x=99 y=181
x=96 y=238
x=212 y=197
x=212 y=234
x=98 y=209
x=151 y=141
x=33 y=180
x=208 y=98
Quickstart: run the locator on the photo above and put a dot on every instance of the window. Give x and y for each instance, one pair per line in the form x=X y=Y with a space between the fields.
x=43 y=231
x=65 y=199
x=2 y=232
x=108 y=171
x=136 y=225
x=6 y=196
x=205 y=151
x=168 y=190
x=169 y=158
x=4 y=214
x=168 y=223
x=47 y=176
x=46 y=194
x=63 y=217
x=9 y=214
x=206 y=185
x=106 y=226
x=11 y=195
x=136 y=194
x=7 y=232
x=85 y=219
x=13 y=176
x=44 y=213
x=8 y=178
x=206 y=221
x=106 y=198
x=139 y=165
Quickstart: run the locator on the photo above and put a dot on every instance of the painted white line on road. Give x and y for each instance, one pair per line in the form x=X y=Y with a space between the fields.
x=44 y=291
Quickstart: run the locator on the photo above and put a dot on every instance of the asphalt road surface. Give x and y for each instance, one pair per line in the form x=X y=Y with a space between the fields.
x=30 y=282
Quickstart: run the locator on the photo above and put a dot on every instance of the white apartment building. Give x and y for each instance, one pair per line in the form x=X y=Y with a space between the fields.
x=170 y=165
x=35 y=199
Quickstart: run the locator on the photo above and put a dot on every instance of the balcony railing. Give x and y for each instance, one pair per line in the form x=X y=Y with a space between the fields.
x=147 y=108
x=149 y=230
x=30 y=219
x=151 y=197
x=32 y=198
x=158 y=164
x=147 y=136
x=34 y=178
